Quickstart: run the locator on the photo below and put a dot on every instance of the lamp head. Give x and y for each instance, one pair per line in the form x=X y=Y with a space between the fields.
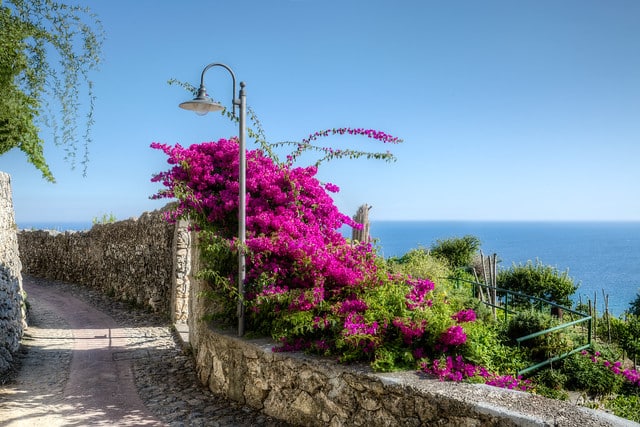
x=201 y=104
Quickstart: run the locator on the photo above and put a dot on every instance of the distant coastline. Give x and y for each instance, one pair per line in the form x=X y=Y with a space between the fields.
x=55 y=225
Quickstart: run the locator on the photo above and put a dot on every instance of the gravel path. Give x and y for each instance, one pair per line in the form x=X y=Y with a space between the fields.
x=116 y=365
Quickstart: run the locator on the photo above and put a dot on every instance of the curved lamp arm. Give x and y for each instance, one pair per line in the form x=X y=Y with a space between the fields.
x=202 y=103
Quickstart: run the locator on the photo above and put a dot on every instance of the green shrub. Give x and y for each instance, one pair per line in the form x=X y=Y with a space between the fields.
x=630 y=335
x=540 y=281
x=218 y=263
x=420 y=263
x=542 y=347
x=550 y=383
x=634 y=306
x=551 y=393
x=485 y=347
x=527 y=322
x=104 y=219
x=617 y=326
x=626 y=407
x=593 y=378
x=551 y=378
x=458 y=252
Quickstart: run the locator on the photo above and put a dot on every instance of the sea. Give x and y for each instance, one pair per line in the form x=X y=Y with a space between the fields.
x=603 y=258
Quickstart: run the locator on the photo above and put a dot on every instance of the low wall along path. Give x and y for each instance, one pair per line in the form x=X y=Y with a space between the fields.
x=11 y=303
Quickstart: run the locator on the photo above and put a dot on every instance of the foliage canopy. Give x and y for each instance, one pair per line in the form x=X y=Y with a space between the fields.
x=457 y=251
x=47 y=50
x=634 y=306
x=539 y=280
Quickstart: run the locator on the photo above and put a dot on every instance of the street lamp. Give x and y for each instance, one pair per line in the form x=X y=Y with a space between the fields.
x=201 y=105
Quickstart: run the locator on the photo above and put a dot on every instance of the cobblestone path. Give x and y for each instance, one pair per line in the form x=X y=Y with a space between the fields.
x=117 y=366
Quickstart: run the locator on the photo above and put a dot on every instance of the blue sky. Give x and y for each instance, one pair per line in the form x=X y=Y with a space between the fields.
x=509 y=110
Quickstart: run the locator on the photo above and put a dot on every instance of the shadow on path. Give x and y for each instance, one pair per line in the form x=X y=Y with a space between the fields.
x=113 y=366
x=70 y=373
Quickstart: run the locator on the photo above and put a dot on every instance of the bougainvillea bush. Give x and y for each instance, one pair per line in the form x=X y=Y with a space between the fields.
x=306 y=285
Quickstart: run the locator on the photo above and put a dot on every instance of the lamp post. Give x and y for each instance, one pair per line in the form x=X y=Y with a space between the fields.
x=201 y=105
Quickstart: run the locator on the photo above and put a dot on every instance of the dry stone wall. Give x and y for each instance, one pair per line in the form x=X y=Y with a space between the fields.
x=314 y=391
x=131 y=260
x=311 y=391
x=11 y=302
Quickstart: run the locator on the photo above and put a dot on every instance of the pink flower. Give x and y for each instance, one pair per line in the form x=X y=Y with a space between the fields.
x=355 y=324
x=293 y=225
x=331 y=187
x=453 y=370
x=630 y=375
x=453 y=336
x=409 y=329
x=510 y=382
x=416 y=298
x=352 y=305
x=464 y=316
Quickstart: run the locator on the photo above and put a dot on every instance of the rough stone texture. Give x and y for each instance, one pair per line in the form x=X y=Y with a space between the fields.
x=131 y=260
x=12 y=315
x=181 y=273
x=314 y=391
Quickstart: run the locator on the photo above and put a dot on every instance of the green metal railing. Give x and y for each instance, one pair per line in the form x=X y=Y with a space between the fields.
x=509 y=302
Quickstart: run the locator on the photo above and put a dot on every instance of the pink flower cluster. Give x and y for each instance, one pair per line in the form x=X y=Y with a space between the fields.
x=453 y=337
x=458 y=370
x=330 y=152
x=321 y=322
x=292 y=223
x=355 y=324
x=360 y=335
x=510 y=382
x=297 y=259
x=453 y=369
x=294 y=247
x=417 y=297
x=464 y=316
x=631 y=375
x=409 y=329
x=370 y=133
x=352 y=305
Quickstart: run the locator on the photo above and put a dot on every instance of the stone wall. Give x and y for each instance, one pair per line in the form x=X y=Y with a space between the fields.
x=314 y=391
x=132 y=260
x=11 y=302
x=311 y=391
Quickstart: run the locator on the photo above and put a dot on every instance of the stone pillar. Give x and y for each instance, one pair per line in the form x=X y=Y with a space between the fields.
x=181 y=273
x=12 y=310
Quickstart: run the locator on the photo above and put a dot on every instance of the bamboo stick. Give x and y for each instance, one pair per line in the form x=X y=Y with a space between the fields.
x=606 y=314
x=595 y=315
x=492 y=265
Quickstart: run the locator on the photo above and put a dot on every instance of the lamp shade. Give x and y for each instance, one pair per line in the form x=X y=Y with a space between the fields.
x=201 y=104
